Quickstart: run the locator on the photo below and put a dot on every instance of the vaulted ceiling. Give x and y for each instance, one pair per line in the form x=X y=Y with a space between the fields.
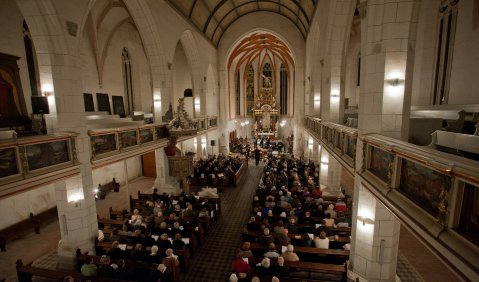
x=213 y=17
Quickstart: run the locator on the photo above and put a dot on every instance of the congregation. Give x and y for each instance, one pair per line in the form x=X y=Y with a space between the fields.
x=293 y=216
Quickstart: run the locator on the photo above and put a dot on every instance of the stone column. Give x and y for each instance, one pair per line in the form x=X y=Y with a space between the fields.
x=387 y=31
x=376 y=239
x=164 y=182
x=334 y=177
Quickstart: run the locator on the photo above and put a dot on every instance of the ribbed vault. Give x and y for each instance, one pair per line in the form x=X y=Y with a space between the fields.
x=213 y=17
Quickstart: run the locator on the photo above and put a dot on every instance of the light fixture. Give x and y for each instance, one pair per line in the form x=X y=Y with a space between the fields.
x=242 y=124
x=365 y=220
x=395 y=81
x=246 y=122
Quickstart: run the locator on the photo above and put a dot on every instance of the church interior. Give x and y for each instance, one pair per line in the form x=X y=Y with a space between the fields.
x=352 y=122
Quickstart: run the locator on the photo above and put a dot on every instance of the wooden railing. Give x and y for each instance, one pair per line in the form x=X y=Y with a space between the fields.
x=339 y=138
x=112 y=141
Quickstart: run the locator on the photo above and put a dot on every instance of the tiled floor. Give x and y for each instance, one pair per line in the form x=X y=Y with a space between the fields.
x=212 y=260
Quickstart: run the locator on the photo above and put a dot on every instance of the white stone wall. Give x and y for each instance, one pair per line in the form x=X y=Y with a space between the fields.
x=465 y=62
x=19 y=206
x=113 y=72
x=116 y=170
x=182 y=80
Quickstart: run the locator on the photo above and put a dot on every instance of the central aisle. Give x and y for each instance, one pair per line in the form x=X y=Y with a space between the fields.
x=212 y=261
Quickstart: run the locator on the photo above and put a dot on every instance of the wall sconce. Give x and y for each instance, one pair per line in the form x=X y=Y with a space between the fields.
x=157 y=100
x=283 y=123
x=76 y=198
x=317 y=100
x=242 y=124
x=395 y=81
x=365 y=220
x=246 y=122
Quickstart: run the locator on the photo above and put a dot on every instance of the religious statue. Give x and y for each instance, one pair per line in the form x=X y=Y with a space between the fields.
x=266 y=81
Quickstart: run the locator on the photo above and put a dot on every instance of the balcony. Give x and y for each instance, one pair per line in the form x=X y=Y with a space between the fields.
x=435 y=193
x=32 y=161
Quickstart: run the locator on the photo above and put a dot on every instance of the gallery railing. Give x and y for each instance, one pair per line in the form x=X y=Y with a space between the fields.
x=26 y=157
x=339 y=138
x=440 y=186
x=110 y=141
x=444 y=186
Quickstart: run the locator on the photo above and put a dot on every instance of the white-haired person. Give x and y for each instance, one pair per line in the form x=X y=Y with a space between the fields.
x=154 y=257
x=263 y=268
x=171 y=261
x=233 y=278
x=162 y=273
x=272 y=252
x=290 y=255
x=278 y=270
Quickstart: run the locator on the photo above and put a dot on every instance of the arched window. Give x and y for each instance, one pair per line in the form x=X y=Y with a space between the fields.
x=267 y=71
x=30 y=54
x=250 y=91
x=127 y=81
x=445 y=43
x=238 y=94
x=283 y=90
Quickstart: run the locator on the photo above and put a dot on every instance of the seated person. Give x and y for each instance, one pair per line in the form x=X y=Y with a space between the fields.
x=290 y=255
x=321 y=242
x=244 y=251
x=164 y=242
x=178 y=243
x=241 y=266
x=154 y=257
x=278 y=270
x=266 y=238
x=88 y=269
x=115 y=252
x=263 y=268
x=272 y=252
x=340 y=206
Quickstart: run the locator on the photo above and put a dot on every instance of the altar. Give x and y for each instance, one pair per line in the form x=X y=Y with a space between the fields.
x=265 y=111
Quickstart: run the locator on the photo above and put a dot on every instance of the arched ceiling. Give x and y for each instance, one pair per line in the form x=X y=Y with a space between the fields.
x=213 y=17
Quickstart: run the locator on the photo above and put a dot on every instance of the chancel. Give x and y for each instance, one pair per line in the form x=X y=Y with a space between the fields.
x=207 y=140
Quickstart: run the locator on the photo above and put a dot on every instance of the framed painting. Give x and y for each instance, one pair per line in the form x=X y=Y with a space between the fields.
x=103 y=102
x=13 y=110
x=88 y=101
x=118 y=106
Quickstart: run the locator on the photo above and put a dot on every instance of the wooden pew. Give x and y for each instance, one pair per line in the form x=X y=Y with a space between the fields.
x=297 y=236
x=241 y=171
x=344 y=254
x=26 y=272
x=192 y=239
x=27 y=226
x=183 y=255
x=308 y=267
x=105 y=188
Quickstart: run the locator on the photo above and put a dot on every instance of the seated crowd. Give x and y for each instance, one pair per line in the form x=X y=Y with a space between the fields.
x=208 y=171
x=295 y=215
x=158 y=236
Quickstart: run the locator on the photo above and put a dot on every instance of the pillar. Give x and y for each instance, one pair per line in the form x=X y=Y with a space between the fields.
x=387 y=31
x=376 y=239
x=164 y=182
x=330 y=174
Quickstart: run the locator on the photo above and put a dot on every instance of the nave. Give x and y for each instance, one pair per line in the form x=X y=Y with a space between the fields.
x=212 y=261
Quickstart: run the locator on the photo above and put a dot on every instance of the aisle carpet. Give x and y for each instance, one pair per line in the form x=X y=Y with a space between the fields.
x=212 y=261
